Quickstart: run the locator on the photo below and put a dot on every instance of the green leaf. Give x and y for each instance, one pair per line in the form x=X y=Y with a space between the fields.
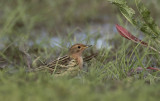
x=148 y=20
x=143 y=21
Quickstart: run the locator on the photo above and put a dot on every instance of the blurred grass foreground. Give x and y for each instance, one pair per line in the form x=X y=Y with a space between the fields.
x=44 y=29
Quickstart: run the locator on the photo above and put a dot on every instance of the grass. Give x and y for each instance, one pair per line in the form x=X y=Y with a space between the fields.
x=35 y=28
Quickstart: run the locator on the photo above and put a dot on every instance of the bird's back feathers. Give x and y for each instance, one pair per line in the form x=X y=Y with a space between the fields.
x=62 y=62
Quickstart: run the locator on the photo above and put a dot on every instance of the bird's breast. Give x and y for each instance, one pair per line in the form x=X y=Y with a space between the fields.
x=80 y=62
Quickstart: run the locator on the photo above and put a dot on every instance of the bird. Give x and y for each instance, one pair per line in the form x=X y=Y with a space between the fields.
x=70 y=61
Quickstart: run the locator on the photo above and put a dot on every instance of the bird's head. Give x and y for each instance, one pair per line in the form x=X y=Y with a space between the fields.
x=78 y=49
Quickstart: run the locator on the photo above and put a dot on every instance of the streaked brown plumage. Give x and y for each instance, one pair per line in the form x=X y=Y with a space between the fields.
x=72 y=59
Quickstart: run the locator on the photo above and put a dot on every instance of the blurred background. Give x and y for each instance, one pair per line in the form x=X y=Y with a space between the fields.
x=46 y=28
x=40 y=25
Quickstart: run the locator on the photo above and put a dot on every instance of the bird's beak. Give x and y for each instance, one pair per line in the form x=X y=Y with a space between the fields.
x=87 y=46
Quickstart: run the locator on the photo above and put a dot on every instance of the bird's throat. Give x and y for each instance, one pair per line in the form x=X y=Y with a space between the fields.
x=79 y=59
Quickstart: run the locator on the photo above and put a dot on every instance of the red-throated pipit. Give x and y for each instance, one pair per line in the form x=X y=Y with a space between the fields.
x=72 y=59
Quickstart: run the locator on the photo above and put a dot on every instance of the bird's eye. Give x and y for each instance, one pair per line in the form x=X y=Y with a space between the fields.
x=79 y=47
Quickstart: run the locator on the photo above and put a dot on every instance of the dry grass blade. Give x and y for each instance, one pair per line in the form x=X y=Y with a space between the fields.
x=27 y=56
x=88 y=58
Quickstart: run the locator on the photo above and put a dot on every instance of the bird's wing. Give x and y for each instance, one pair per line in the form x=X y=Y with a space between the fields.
x=62 y=62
